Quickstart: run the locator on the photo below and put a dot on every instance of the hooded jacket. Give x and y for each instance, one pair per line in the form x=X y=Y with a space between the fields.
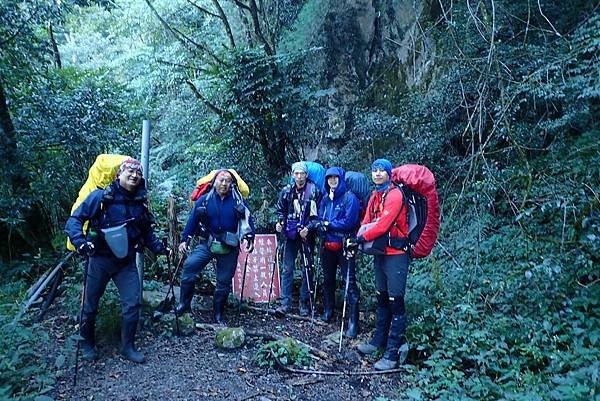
x=110 y=207
x=342 y=212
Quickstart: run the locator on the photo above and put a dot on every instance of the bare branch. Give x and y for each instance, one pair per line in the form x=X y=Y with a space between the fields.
x=223 y=18
x=182 y=38
x=204 y=10
x=55 y=51
x=256 y=22
x=241 y=5
x=547 y=20
x=204 y=100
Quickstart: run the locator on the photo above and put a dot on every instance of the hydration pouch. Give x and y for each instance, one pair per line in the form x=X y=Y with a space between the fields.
x=116 y=238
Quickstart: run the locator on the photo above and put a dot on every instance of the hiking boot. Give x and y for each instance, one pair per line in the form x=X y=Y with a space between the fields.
x=282 y=310
x=368 y=349
x=385 y=364
x=128 y=346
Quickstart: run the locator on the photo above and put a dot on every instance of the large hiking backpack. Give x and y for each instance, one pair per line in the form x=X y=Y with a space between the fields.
x=360 y=185
x=316 y=174
x=418 y=189
x=204 y=184
x=101 y=174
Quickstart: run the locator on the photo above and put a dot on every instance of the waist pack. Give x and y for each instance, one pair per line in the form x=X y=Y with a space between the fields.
x=223 y=243
x=333 y=246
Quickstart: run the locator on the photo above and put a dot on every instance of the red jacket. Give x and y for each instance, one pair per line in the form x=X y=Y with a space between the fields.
x=387 y=210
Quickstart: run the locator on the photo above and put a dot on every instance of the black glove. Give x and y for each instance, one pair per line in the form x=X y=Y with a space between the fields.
x=354 y=242
x=249 y=242
x=323 y=227
x=86 y=249
x=167 y=251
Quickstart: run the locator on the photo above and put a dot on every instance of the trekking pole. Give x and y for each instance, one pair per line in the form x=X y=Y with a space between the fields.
x=273 y=263
x=243 y=284
x=172 y=291
x=344 y=307
x=308 y=286
x=85 y=274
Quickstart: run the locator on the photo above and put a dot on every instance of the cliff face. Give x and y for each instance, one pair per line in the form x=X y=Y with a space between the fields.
x=373 y=50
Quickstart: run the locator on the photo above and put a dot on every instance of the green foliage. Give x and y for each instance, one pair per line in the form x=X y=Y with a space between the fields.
x=287 y=351
x=24 y=370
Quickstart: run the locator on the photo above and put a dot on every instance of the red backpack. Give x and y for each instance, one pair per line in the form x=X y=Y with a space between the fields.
x=418 y=190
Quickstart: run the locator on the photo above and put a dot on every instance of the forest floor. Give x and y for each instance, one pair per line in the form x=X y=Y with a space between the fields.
x=193 y=368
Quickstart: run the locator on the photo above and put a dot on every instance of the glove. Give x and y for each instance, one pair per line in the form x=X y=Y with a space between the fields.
x=167 y=251
x=249 y=239
x=354 y=242
x=86 y=249
x=323 y=227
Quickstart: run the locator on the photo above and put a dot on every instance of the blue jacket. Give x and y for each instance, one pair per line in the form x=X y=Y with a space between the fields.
x=343 y=212
x=216 y=214
x=110 y=207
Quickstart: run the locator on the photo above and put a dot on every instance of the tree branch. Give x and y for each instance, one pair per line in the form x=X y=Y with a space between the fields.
x=55 y=51
x=256 y=22
x=181 y=37
x=204 y=100
x=204 y=10
x=225 y=22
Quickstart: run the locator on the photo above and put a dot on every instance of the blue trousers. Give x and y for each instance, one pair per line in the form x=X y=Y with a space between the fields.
x=292 y=248
x=123 y=273
x=200 y=257
x=391 y=272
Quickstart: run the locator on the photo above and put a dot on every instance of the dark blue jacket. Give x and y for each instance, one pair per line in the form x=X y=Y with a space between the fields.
x=216 y=214
x=343 y=212
x=110 y=207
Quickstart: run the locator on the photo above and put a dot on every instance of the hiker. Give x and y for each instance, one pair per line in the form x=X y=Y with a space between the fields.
x=120 y=225
x=221 y=219
x=385 y=210
x=339 y=217
x=297 y=218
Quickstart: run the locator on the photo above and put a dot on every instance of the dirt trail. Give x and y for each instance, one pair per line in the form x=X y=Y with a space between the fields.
x=193 y=368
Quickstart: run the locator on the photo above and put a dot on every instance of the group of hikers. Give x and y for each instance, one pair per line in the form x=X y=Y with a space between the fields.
x=120 y=224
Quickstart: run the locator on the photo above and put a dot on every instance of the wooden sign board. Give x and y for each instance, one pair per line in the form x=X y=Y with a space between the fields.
x=262 y=268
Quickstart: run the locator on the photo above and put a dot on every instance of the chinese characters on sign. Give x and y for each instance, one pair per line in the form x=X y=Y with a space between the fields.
x=262 y=271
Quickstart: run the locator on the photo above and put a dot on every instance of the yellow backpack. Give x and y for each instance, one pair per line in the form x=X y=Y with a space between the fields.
x=101 y=174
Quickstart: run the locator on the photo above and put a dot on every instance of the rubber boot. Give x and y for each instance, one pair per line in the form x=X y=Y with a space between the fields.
x=328 y=305
x=382 y=326
x=219 y=300
x=304 y=308
x=352 y=331
x=88 y=344
x=396 y=336
x=186 y=292
x=128 y=350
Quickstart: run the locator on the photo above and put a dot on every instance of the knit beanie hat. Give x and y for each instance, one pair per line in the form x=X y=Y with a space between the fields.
x=299 y=166
x=383 y=164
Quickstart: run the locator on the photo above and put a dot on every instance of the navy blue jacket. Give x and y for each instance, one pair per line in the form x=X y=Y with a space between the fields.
x=343 y=212
x=216 y=214
x=110 y=207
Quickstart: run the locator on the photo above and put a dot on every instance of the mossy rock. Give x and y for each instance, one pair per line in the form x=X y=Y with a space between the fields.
x=230 y=338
